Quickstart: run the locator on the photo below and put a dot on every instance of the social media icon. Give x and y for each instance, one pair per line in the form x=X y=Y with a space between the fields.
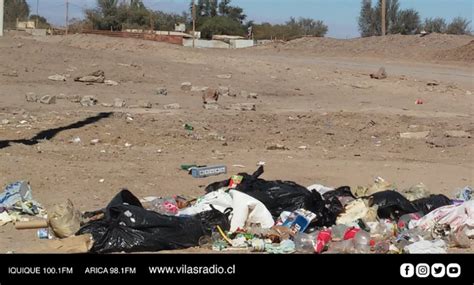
x=422 y=270
x=407 y=270
x=453 y=270
x=438 y=270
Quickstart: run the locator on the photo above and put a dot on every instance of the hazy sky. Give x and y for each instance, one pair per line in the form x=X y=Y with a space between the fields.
x=339 y=15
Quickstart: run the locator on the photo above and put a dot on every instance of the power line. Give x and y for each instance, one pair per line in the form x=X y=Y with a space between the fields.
x=67 y=16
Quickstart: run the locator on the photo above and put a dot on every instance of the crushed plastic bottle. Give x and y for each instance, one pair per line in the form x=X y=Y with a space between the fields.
x=165 y=206
x=345 y=246
x=459 y=239
x=338 y=232
x=304 y=243
x=322 y=241
x=362 y=242
x=382 y=246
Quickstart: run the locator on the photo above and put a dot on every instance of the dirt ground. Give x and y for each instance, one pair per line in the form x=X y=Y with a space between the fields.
x=338 y=126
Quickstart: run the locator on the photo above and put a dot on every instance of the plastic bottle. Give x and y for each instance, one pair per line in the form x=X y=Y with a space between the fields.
x=459 y=239
x=165 y=206
x=362 y=242
x=338 y=232
x=382 y=246
x=304 y=243
x=324 y=237
x=345 y=246
x=258 y=245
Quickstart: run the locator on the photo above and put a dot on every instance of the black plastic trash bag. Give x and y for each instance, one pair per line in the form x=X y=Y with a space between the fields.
x=431 y=203
x=343 y=194
x=391 y=204
x=279 y=196
x=326 y=214
x=128 y=227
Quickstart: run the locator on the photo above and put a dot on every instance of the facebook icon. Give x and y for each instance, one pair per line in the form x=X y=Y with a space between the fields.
x=407 y=270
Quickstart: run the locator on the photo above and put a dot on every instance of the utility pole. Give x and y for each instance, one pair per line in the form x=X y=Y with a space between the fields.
x=194 y=23
x=384 y=28
x=67 y=16
x=37 y=13
x=1 y=17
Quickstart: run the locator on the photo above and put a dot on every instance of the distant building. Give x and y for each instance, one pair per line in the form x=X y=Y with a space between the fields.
x=24 y=25
x=180 y=27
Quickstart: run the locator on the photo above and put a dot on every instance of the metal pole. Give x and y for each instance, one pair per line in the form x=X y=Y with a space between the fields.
x=384 y=28
x=67 y=16
x=194 y=23
x=37 y=13
x=1 y=17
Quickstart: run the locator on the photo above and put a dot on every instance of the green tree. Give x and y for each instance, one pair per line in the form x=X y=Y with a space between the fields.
x=15 y=10
x=105 y=16
x=408 y=22
x=42 y=22
x=213 y=8
x=393 y=7
x=165 y=21
x=405 y=22
x=221 y=25
x=436 y=25
x=459 y=26
x=311 y=27
x=224 y=7
x=366 y=19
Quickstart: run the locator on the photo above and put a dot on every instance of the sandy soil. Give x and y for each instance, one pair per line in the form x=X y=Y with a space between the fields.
x=322 y=99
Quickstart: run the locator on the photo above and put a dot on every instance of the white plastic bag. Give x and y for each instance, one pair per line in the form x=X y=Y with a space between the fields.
x=246 y=209
x=457 y=216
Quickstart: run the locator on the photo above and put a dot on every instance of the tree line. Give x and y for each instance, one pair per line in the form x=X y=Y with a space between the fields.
x=214 y=17
x=20 y=10
x=405 y=22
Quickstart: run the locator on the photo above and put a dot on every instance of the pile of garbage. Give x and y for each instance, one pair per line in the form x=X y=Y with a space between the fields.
x=248 y=213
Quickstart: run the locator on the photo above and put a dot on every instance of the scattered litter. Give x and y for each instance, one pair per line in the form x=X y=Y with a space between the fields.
x=457 y=134
x=162 y=91
x=224 y=76
x=426 y=246
x=110 y=82
x=238 y=165
x=416 y=192
x=75 y=140
x=277 y=147
x=172 y=106
x=211 y=106
x=57 y=77
x=64 y=219
x=186 y=86
x=199 y=88
x=88 y=101
x=201 y=172
x=94 y=77
x=17 y=200
x=252 y=95
x=243 y=107
x=415 y=135
x=380 y=74
x=210 y=95
x=31 y=97
x=464 y=194
x=48 y=99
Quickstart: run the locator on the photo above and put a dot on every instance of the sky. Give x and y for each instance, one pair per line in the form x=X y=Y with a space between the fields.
x=339 y=15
